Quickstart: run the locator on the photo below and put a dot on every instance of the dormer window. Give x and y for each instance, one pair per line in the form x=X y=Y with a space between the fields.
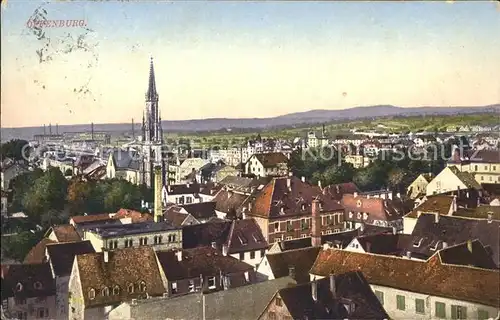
x=37 y=285
x=365 y=216
x=359 y=215
x=142 y=286
x=303 y=207
x=19 y=287
x=130 y=288
x=105 y=292
x=418 y=242
x=435 y=246
x=116 y=290
x=91 y=294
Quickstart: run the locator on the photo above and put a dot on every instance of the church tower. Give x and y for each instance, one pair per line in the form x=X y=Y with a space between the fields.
x=152 y=133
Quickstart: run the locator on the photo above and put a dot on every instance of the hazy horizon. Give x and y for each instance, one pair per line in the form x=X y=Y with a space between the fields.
x=245 y=59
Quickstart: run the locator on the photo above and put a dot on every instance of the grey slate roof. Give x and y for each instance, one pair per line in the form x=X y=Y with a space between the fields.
x=245 y=302
x=126 y=160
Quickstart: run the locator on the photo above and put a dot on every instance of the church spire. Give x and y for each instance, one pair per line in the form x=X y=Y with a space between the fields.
x=151 y=95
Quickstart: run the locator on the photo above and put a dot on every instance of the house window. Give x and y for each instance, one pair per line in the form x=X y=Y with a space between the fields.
x=272 y=315
x=440 y=310
x=116 y=290
x=289 y=226
x=289 y=238
x=43 y=313
x=278 y=302
x=242 y=255
x=400 y=302
x=252 y=254
x=113 y=244
x=494 y=168
x=37 y=285
x=91 y=294
x=482 y=314
x=22 y=315
x=276 y=226
x=419 y=306
x=191 y=285
x=142 y=286
x=130 y=288
x=128 y=243
x=20 y=301
x=105 y=291
x=174 y=287
x=458 y=312
x=160 y=239
x=262 y=253
x=380 y=296
x=211 y=282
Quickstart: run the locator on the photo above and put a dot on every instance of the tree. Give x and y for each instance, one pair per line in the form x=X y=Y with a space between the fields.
x=396 y=178
x=79 y=194
x=21 y=185
x=14 y=149
x=17 y=247
x=48 y=192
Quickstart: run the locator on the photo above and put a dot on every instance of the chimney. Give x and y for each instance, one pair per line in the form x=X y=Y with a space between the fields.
x=445 y=245
x=314 y=290
x=229 y=194
x=362 y=227
x=454 y=204
x=319 y=184
x=214 y=244
x=179 y=255
x=408 y=254
x=436 y=217
x=389 y=195
x=224 y=250
x=394 y=230
x=398 y=195
x=316 y=224
x=250 y=206
x=303 y=179
x=490 y=217
x=106 y=254
x=289 y=184
x=158 y=206
x=355 y=194
x=226 y=282
x=368 y=247
x=469 y=245
x=368 y=196
x=291 y=272
x=333 y=288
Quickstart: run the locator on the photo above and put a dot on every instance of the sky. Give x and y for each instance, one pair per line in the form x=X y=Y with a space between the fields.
x=244 y=59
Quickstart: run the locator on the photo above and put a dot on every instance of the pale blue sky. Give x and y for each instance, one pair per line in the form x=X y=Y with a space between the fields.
x=250 y=59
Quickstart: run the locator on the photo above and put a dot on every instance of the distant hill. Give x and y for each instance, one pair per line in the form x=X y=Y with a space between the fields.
x=307 y=117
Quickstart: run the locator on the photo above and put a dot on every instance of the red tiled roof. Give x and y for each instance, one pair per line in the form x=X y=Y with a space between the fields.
x=428 y=277
x=136 y=216
x=438 y=203
x=276 y=198
x=376 y=208
x=66 y=233
x=336 y=191
x=37 y=253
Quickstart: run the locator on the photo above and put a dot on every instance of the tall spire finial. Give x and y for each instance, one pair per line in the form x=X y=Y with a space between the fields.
x=151 y=94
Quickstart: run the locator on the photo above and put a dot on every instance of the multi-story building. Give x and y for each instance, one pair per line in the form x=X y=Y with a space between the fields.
x=417 y=289
x=60 y=257
x=451 y=179
x=28 y=291
x=283 y=210
x=202 y=269
x=159 y=235
x=267 y=164
x=484 y=165
x=100 y=281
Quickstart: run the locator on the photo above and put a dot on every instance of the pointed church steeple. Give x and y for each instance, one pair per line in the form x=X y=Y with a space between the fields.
x=151 y=94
